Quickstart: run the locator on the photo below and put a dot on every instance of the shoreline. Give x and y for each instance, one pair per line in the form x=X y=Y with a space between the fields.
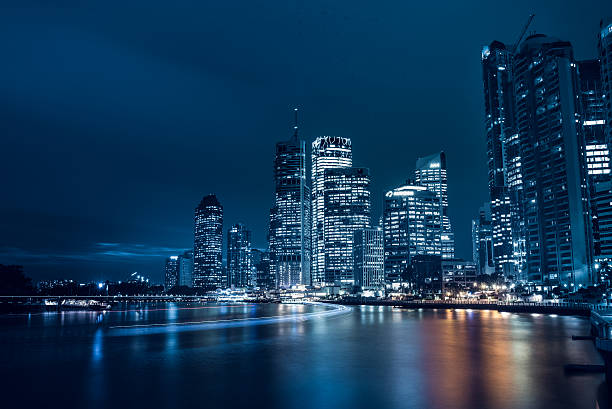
x=567 y=309
x=578 y=309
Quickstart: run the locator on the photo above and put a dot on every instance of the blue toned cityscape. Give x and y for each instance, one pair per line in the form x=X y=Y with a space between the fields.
x=307 y=205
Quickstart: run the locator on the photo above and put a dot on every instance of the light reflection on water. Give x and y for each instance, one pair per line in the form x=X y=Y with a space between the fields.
x=370 y=357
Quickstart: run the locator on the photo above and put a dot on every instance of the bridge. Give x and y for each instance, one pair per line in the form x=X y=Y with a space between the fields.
x=56 y=302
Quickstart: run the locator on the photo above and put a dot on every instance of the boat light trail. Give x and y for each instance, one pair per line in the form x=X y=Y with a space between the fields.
x=131 y=310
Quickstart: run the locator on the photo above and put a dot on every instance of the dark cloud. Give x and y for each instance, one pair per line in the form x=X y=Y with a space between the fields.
x=100 y=252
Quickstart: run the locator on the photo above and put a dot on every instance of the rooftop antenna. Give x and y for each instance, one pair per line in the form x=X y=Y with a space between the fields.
x=295 y=125
x=525 y=27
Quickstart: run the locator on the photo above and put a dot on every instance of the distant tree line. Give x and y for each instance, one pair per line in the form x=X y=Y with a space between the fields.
x=14 y=282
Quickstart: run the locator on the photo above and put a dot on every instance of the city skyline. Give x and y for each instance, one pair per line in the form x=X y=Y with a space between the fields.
x=290 y=204
x=100 y=247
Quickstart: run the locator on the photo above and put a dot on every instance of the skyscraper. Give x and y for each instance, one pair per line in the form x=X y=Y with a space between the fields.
x=504 y=160
x=557 y=220
x=185 y=269
x=482 y=241
x=239 y=262
x=328 y=152
x=605 y=57
x=602 y=205
x=430 y=172
x=171 y=276
x=593 y=116
x=346 y=208
x=369 y=257
x=207 y=245
x=261 y=265
x=412 y=225
x=597 y=154
x=289 y=235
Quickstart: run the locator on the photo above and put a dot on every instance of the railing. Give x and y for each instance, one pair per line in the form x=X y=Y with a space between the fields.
x=93 y=297
x=495 y=302
x=517 y=303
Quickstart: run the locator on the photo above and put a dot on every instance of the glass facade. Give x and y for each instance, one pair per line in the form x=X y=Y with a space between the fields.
x=412 y=224
x=346 y=209
x=458 y=275
x=602 y=205
x=261 y=266
x=328 y=152
x=207 y=245
x=597 y=154
x=605 y=57
x=239 y=262
x=289 y=236
x=503 y=160
x=171 y=276
x=185 y=268
x=556 y=208
x=430 y=172
x=482 y=241
x=369 y=257
x=593 y=116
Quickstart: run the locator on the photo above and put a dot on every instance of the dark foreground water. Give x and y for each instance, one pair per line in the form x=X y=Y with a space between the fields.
x=294 y=356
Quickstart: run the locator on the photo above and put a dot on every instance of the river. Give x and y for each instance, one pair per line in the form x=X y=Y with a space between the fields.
x=294 y=356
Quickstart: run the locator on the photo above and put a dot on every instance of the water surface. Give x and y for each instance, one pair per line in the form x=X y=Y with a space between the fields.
x=294 y=356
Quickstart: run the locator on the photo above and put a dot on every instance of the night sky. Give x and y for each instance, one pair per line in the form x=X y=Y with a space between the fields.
x=118 y=116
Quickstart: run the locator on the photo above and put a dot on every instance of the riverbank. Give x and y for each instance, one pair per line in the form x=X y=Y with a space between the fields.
x=58 y=303
x=578 y=309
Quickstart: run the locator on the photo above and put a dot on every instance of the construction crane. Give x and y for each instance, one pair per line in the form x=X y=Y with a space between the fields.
x=529 y=20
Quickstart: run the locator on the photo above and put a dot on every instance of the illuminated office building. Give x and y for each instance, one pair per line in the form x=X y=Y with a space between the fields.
x=264 y=278
x=239 y=262
x=369 y=257
x=602 y=190
x=412 y=225
x=171 y=276
x=289 y=236
x=328 y=152
x=185 y=269
x=458 y=274
x=425 y=273
x=593 y=116
x=430 y=172
x=346 y=209
x=208 y=245
x=605 y=57
x=597 y=155
x=504 y=160
x=558 y=228
x=602 y=205
x=482 y=241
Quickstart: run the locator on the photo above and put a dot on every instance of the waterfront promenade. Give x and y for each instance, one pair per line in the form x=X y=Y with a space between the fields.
x=546 y=307
x=552 y=307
